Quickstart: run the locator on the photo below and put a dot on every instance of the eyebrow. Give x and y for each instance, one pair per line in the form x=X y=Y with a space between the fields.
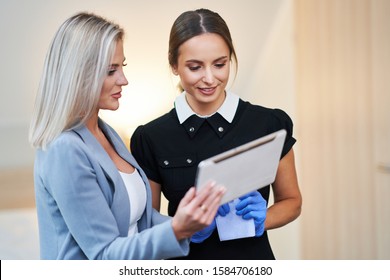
x=116 y=64
x=198 y=61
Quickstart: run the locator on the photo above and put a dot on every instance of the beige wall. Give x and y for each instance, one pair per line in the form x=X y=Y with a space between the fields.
x=343 y=97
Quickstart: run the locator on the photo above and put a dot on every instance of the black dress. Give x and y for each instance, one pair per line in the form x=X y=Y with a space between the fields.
x=169 y=153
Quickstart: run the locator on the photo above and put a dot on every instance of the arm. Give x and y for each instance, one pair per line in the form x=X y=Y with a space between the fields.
x=287 y=196
x=77 y=188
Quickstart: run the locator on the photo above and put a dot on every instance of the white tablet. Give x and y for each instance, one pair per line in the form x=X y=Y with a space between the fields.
x=243 y=169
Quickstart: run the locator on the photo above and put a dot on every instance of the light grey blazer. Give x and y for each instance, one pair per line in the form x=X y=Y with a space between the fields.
x=83 y=206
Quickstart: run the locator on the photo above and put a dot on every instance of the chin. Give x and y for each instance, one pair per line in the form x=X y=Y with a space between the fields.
x=114 y=107
x=111 y=108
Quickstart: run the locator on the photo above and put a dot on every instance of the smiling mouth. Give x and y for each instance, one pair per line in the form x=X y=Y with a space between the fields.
x=208 y=90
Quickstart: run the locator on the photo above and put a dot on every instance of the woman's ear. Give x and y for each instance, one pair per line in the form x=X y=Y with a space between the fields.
x=174 y=70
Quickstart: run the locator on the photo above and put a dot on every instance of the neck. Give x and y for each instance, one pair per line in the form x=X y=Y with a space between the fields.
x=92 y=125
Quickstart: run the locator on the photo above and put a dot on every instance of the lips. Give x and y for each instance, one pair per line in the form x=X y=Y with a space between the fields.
x=117 y=95
x=207 y=91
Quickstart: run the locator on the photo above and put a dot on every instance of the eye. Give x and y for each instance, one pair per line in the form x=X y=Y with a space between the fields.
x=112 y=69
x=194 y=68
x=111 y=72
x=220 y=65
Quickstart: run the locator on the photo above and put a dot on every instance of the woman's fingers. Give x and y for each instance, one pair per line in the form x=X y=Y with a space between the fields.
x=197 y=210
x=207 y=201
x=206 y=194
x=188 y=197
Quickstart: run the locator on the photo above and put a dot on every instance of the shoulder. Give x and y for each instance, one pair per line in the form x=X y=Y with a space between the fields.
x=67 y=153
x=273 y=115
x=158 y=125
x=275 y=112
x=267 y=120
x=165 y=119
x=66 y=140
x=68 y=145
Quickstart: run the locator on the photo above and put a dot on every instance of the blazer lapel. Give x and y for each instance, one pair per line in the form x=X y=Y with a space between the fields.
x=126 y=155
x=120 y=203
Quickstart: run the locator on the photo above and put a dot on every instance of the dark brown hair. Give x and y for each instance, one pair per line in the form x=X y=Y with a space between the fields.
x=193 y=23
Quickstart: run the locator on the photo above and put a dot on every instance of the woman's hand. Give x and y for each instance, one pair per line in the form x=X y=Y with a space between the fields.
x=253 y=206
x=196 y=210
x=205 y=233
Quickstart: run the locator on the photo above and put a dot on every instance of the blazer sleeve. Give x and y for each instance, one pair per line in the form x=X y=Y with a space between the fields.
x=70 y=176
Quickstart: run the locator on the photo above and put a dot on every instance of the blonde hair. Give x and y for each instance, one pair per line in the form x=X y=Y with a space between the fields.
x=74 y=71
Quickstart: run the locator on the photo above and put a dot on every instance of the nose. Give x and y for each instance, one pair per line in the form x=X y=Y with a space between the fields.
x=208 y=76
x=122 y=81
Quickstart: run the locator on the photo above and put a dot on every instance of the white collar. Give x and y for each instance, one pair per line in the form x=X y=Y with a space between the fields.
x=227 y=110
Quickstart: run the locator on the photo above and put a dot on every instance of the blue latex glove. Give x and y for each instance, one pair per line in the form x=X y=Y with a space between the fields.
x=253 y=206
x=205 y=233
x=223 y=210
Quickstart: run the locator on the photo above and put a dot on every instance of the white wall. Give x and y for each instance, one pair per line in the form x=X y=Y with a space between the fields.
x=261 y=30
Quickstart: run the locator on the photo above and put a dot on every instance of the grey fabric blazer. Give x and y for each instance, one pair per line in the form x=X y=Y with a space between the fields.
x=83 y=206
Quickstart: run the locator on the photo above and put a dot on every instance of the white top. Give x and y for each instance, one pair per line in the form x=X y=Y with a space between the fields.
x=135 y=187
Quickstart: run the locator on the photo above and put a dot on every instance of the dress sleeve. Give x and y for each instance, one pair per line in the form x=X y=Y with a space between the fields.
x=283 y=121
x=142 y=150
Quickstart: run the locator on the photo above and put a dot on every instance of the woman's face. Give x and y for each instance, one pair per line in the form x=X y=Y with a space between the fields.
x=203 y=67
x=112 y=85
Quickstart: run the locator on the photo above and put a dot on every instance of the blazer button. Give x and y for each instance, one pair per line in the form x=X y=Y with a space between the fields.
x=192 y=129
x=189 y=160
x=166 y=162
x=220 y=129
